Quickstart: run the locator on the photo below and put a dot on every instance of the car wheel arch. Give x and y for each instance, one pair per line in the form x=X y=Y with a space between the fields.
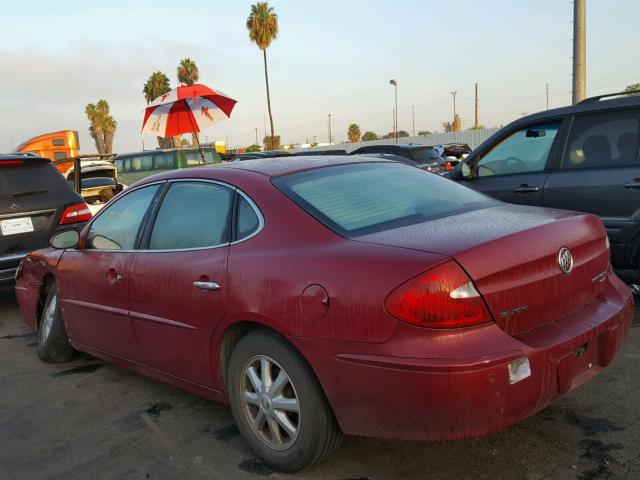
x=236 y=332
x=43 y=291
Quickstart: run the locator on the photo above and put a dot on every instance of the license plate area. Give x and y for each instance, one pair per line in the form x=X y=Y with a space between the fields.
x=576 y=363
x=15 y=226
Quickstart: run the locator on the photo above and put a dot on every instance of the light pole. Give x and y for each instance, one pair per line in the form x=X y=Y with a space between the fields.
x=394 y=82
x=329 y=129
x=454 y=93
x=257 y=136
x=579 y=51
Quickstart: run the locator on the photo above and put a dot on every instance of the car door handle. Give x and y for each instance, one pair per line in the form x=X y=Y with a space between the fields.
x=526 y=189
x=206 y=285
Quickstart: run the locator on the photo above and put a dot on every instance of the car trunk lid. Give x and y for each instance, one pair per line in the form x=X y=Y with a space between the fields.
x=511 y=254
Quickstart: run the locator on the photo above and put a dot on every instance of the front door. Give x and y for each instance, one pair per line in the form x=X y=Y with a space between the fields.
x=94 y=280
x=515 y=169
x=178 y=286
x=600 y=174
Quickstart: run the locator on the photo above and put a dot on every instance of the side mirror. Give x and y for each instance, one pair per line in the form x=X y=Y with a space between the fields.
x=66 y=239
x=465 y=170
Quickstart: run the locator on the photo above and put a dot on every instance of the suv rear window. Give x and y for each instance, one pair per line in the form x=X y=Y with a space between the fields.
x=360 y=199
x=425 y=155
x=30 y=176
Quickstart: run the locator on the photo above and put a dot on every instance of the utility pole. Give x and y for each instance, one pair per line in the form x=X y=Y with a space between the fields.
x=579 y=51
x=393 y=122
x=413 y=121
x=257 y=136
x=454 y=93
x=264 y=119
x=476 y=109
x=329 y=129
x=547 y=85
x=394 y=82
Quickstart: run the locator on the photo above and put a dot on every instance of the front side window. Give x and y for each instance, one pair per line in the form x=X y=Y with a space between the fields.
x=192 y=157
x=364 y=198
x=116 y=228
x=164 y=160
x=603 y=140
x=193 y=215
x=525 y=151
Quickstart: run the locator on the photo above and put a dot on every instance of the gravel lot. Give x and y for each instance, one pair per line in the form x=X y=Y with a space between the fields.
x=91 y=420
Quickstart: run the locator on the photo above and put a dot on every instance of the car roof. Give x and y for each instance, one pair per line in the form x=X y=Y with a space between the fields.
x=160 y=150
x=270 y=167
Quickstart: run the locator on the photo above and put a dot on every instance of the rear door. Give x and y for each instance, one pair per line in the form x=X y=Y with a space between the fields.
x=600 y=173
x=516 y=168
x=178 y=286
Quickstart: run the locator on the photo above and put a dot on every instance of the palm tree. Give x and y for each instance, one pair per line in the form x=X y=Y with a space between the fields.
x=354 y=133
x=158 y=84
x=188 y=75
x=95 y=129
x=187 y=72
x=263 y=29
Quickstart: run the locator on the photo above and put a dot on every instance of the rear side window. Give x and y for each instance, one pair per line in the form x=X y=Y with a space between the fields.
x=248 y=221
x=116 y=228
x=192 y=157
x=147 y=162
x=603 y=140
x=360 y=199
x=193 y=215
x=164 y=160
x=136 y=164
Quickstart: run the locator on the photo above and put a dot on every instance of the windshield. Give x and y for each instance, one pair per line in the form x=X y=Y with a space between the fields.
x=425 y=155
x=359 y=199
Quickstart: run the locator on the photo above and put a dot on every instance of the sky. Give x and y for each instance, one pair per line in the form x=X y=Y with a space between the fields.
x=331 y=57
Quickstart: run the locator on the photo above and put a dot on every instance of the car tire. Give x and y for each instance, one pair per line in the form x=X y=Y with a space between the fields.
x=53 y=343
x=262 y=413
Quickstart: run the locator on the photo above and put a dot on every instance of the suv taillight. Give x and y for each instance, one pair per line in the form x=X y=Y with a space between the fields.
x=76 y=214
x=443 y=297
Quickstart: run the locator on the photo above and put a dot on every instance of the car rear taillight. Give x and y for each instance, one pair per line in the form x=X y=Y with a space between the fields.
x=448 y=166
x=6 y=163
x=443 y=297
x=76 y=214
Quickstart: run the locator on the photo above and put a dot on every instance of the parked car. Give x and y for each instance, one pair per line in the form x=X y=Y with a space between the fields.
x=35 y=202
x=421 y=156
x=135 y=166
x=583 y=157
x=453 y=152
x=268 y=154
x=322 y=296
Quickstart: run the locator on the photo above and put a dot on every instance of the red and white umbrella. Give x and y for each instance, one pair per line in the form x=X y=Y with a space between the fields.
x=186 y=109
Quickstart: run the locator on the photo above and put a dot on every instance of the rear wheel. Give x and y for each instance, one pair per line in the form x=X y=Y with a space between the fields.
x=53 y=343
x=278 y=404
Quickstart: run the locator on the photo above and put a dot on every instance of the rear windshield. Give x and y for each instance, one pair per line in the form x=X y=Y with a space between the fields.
x=425 y=155
x=30 y=178
x=359 y=199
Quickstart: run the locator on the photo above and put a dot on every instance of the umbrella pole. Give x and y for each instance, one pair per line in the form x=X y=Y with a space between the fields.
x=196 y=137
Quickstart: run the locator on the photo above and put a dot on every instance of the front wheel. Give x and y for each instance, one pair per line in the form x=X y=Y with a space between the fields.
x=278 y=404
x=53 y=343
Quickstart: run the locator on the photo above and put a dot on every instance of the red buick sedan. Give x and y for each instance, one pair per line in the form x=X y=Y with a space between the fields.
x=322 y=296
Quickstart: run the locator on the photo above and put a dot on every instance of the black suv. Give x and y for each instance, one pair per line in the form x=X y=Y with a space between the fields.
x=421 y=156
x=583 y=157
x=35 y=202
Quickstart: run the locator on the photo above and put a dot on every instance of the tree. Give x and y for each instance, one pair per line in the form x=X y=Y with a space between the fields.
x=401 y=133
x=263 y=29
x=353 y=133
x=271 y=142
x=457 y=123
x=479 y=127
x=158 y=84
x=253 y=148
x=448 y=126
x=632 y=87
x=102 y=126
x=424 y=133
x=369 y=136
x=188 y=74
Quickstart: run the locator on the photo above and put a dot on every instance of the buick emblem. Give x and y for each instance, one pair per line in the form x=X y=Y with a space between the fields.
x=565 y=260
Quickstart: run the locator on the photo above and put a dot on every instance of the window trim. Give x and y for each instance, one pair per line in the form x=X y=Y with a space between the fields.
x=256 y=210
x=567 y=137
x=146 y=225
x=553 y=151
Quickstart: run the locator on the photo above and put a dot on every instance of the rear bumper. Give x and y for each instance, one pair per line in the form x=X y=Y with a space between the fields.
x=8 y=266
x=433 y=385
